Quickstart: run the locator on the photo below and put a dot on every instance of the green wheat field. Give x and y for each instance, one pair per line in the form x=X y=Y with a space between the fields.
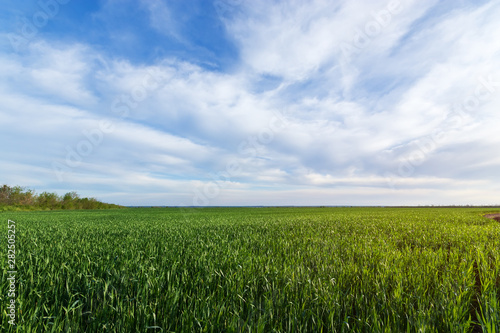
x=255 y=270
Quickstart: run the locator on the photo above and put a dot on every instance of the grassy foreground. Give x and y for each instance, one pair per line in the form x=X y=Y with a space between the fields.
x=254 y=269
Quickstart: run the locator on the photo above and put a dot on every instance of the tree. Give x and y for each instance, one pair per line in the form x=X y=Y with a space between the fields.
x=5 y=194
x=19 y=197
x=48 y=200
x=69 y=200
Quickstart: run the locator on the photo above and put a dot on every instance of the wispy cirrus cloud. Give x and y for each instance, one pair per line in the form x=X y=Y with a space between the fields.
x=376 y=125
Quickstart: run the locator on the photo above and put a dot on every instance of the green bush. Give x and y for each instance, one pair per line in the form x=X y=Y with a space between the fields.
x=20 y=198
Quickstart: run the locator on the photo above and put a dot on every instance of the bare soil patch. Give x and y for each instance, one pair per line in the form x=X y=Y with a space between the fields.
x=493 y=216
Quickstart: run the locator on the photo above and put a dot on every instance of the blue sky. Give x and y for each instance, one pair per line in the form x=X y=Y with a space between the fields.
x=234 y=102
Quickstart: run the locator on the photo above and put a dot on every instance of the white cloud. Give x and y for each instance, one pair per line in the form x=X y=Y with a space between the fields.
x=162 y=18
x=348 y=124
x=60 y=72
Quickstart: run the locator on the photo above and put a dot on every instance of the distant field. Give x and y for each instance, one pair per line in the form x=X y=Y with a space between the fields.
x=255 y=269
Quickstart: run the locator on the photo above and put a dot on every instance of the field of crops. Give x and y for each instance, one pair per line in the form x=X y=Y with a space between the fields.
x=255 y=270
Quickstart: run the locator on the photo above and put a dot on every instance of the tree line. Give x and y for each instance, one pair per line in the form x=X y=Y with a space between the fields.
x=17 y=197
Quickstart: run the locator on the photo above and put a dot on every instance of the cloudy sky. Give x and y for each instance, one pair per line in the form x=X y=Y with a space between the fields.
x=235 y=102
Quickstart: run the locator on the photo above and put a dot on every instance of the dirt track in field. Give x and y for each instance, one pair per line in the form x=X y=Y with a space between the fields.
x=493 y=216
